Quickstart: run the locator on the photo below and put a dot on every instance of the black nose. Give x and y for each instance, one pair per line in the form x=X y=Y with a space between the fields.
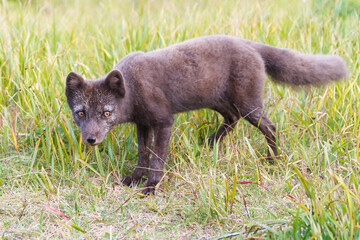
x=91 y=140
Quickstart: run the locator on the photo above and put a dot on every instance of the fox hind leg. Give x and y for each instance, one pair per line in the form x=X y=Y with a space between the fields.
x=230 y=121
x=257 y=118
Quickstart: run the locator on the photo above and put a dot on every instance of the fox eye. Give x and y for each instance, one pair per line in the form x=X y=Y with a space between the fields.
x=81 y=114
x=106 y=113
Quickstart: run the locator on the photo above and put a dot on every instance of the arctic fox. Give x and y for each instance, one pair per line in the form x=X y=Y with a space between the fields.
x=222 y=73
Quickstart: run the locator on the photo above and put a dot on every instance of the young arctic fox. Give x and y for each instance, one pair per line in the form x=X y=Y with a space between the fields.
x=222 y=73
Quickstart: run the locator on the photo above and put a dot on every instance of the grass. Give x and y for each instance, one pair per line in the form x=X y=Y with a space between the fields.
x=53 y=186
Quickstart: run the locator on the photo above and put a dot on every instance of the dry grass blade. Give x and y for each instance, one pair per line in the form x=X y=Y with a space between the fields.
x=53 y=210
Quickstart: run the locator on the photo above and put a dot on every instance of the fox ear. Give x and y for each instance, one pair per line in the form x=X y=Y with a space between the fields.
x=115 y=81
x=74 y=80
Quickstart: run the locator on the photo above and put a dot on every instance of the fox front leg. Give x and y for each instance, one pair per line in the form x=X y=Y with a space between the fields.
x=162 y=135
x=144 y=135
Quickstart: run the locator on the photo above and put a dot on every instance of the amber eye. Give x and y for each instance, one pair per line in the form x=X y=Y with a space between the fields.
x=81 y=114
x=106 y=114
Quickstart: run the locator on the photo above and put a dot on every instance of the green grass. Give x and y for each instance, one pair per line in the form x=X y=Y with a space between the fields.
x=53 y=186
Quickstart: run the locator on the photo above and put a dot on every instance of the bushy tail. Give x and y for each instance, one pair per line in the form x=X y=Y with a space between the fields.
x=294 y=68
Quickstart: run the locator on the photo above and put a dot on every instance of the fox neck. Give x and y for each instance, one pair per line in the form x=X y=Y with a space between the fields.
x=126 y=109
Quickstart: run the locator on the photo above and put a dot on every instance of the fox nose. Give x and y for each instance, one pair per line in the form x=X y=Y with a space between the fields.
x=91 y=140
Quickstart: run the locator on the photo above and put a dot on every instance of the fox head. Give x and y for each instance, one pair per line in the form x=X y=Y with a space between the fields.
x=97 y=105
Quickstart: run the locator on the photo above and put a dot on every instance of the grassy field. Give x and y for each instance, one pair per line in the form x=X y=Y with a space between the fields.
x=53 y=186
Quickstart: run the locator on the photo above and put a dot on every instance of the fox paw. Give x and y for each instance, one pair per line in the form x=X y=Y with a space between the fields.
x=148 y=190
x=130 y=181
x=150 y=185
x=271 y=160
x=211 y=141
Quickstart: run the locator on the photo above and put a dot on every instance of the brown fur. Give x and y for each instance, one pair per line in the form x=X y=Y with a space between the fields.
x=222 y=73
